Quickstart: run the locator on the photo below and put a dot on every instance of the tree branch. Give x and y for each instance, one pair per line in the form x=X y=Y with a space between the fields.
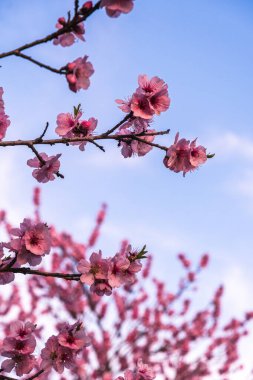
x=40 y=64
x=66 y=29
x=26 y=270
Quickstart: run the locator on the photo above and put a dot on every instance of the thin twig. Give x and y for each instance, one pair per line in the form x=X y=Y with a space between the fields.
x=127 y=117
x=26 y=270
x=98 y=146
x=40 y=138
x=76 y=7
x=40 y=64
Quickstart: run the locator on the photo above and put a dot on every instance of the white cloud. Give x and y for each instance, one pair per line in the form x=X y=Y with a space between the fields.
x=231 y=144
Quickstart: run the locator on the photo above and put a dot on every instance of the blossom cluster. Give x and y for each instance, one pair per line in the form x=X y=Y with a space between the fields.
x=46 y=167
x=18 y=347
x=29 y=244
x=150 y=98
x=78 y=74
x=60 y=351
x=70 y=126
x=184 y=156
x=105 y=274
x=4 y=119
x=67 y=39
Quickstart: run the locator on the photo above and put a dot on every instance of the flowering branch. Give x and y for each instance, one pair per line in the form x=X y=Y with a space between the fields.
x=91 y=139
x=68 y=27
x=27 y=270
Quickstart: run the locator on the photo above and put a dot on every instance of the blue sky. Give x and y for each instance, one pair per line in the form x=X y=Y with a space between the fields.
x=203 y=50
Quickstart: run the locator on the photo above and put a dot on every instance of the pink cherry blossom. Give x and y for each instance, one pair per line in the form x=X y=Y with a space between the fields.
x=66 y=123
x=24 y=346
x=23 y=364
x=79 y=72
x=37 y=239
x=115 y=7
x=18 y=347
x=4 y=121
x=45 y=171
x=96 y=269
x=67 y=39
x=150 y=98
x=56 y=356
x=184 y=155
x=21 y=330
x=73 y=336
x=131 y=146
x=117 y=271
x=32 y=242
x=70 y=126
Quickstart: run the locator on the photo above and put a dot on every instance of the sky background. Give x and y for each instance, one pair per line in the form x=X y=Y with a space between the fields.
x=203 y=49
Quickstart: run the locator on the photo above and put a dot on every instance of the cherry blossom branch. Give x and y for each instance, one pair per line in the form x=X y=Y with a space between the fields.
x=90 y=139
x=128 y=116
x=65 y=29
x=26 y=270
x=40 y=64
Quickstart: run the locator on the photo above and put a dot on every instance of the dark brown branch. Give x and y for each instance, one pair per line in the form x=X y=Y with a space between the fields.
x=66 y=29
x=76 y=7
x=127 y=117
x=26 y=270
x=40 y=138
x=40 y=64
x=89 y=139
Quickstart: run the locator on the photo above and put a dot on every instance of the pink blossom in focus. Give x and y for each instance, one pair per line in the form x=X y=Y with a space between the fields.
x=117 y=271
x=4 y=121
x=140 y=106
x=150 y=98
x=70 y=126
x=37 y=239
x=115 y=7
x=67 y=39
x=78 y=75
x=184 y=155
x=96 y=269
x=33 y=241
x=66 y=123
x=45 y=172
